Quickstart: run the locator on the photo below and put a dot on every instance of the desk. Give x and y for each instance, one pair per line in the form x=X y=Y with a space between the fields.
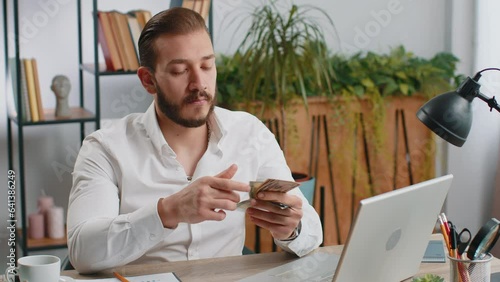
x=238 y=267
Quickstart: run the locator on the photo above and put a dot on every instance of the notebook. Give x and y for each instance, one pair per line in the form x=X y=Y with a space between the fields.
x=434 y=252
x=386 y=242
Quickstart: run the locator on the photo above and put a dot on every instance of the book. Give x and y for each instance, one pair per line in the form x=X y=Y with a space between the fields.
x=147 y=15
x=128 y=42
x=107 y=43
x=142 y=16
x=41 y=115
x=135 y=31
x=197 y=6
x=202 y=7
x=190 y=4
x=11 y=90
x=26 y=114
x=114 y=19
x=30 y=82
x=205 y=9
x=175 y=3
x=434 y=252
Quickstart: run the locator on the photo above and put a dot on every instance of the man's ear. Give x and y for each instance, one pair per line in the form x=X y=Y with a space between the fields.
x=146 y=77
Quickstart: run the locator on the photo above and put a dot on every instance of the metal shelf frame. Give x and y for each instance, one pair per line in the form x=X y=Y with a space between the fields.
x=22 y=125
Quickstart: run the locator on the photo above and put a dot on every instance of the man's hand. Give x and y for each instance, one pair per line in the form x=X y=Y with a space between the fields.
x=204 y=199
x=280 y=222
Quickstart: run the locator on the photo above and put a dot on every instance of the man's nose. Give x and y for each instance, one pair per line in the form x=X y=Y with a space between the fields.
x=196 y=81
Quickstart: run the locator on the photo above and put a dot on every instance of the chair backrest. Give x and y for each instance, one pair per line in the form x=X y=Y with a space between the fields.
x=307 y=188
x=66 y=264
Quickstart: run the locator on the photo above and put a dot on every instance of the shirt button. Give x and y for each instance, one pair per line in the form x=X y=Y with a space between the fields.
x=152 y=236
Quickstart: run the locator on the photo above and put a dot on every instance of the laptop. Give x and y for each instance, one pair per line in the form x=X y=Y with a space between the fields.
x=386 y=242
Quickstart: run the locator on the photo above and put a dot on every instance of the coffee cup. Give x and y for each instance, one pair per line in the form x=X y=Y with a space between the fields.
x=38 y=268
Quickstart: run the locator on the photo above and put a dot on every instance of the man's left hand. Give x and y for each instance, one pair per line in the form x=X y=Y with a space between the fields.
x=266 y=213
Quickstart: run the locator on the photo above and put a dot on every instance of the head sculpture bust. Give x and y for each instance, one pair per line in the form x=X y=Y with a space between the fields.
x=61 y=87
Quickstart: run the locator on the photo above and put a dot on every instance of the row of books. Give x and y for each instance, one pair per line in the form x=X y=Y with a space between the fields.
x=118 y=37
x=31 y=99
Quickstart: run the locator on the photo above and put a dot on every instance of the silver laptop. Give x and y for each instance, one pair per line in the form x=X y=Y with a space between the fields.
x=386 y=242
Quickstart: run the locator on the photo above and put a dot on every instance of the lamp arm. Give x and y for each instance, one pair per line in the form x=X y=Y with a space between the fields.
x=492 y=103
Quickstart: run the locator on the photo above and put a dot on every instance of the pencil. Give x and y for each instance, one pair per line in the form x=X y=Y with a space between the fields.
x=119 y=277
x=445 y=235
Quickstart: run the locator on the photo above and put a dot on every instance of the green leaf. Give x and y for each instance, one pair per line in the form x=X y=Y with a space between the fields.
x=428 y=278
x=368 y=83
x=404 y=88
x=359 y=90
x=401 y=75
x=390 y=88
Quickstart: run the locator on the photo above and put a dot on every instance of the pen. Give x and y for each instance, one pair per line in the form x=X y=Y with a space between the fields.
x=445 y=235
x=119 y=277
x=445 y=222
x=453 y=242
x=280 y=205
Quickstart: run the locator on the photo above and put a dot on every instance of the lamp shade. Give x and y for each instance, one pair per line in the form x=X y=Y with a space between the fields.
x=449 y=115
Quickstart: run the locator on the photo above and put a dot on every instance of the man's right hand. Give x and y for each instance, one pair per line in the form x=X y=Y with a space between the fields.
x=205 y=198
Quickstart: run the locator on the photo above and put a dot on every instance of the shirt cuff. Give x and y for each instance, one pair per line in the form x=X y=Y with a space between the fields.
x=295 y=234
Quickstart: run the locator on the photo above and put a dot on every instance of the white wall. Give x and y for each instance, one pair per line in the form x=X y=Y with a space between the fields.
x=362 y=25
x=421 y=26
x=474 y=165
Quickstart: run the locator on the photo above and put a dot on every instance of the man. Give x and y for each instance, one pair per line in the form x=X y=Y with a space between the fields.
x=164 y=185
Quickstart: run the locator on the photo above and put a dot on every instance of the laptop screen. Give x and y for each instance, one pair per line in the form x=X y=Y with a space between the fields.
x=391 y=232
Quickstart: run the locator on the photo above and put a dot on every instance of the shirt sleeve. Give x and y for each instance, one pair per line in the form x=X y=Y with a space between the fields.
x=273 y=165
x=311 y=233
x=98 y=236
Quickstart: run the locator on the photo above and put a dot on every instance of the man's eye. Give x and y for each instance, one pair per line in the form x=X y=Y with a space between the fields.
x=176 y=72
x=207 y=67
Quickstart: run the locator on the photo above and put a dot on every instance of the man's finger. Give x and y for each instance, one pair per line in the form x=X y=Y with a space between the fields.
x=229 y=172
x=228 y=185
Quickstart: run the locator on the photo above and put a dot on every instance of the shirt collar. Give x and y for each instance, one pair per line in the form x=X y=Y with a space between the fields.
x=150 y=123
x=216 y=125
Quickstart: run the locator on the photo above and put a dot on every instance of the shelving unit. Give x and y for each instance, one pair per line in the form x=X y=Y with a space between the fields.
x=17 y=126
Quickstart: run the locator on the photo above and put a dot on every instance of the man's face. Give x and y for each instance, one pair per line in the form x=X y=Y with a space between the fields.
x=61 y=87
x=185 y=78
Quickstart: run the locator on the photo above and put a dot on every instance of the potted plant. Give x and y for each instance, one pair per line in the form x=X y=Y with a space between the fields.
x=278 y=51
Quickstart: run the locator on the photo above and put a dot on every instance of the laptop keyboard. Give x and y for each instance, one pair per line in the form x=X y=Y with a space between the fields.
x=316 y=267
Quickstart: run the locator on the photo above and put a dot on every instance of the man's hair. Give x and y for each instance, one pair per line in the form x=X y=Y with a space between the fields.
x=174 y=21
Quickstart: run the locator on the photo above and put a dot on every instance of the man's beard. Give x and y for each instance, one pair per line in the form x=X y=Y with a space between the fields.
x=173 y=111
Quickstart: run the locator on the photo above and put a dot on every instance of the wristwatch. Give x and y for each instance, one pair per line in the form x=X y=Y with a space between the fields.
x=295 y=233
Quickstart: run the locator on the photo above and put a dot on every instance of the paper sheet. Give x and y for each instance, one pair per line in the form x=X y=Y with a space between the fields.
x=162 y=277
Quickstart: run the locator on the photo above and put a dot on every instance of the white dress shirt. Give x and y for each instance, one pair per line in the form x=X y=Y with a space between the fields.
x=123 y=170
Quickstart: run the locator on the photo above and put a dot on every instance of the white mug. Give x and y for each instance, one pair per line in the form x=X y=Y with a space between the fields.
x=40 y=268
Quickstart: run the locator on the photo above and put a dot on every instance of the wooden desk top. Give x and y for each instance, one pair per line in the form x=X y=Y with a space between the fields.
x=238 y=267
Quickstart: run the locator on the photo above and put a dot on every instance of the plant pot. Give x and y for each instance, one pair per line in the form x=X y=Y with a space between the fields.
x=307 y=184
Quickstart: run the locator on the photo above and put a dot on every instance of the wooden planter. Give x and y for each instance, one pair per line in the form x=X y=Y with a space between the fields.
x=352 y=155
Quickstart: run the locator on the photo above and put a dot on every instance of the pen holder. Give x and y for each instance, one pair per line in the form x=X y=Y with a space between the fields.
x=465 y=270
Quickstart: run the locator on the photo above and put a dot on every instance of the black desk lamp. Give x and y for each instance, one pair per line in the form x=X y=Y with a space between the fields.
x=449 y=115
